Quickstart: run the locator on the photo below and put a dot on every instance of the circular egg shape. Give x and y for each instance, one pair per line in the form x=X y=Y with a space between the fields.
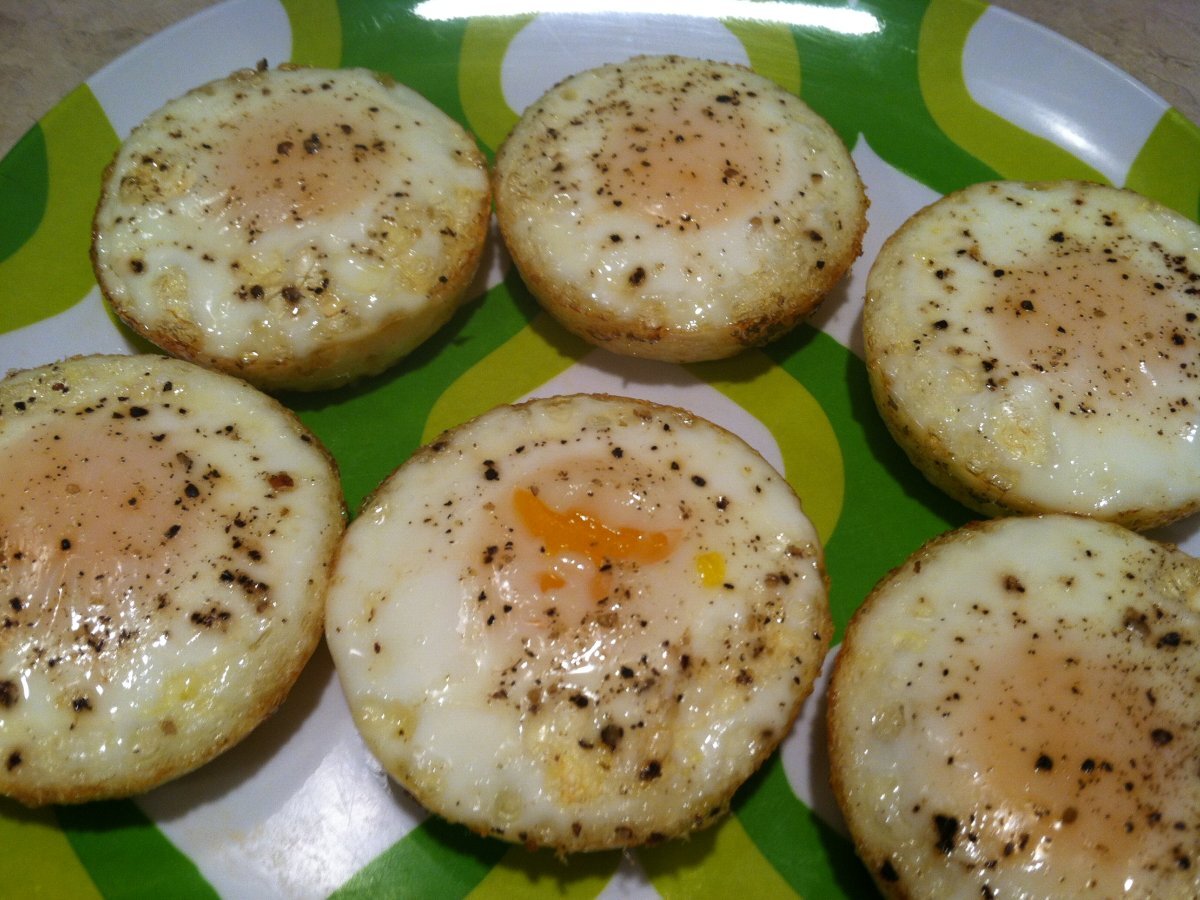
x=1014 y=713
x=297 y=227
x=579 y=622
x=166 y=538
x=1035 y=348
x=677 y=209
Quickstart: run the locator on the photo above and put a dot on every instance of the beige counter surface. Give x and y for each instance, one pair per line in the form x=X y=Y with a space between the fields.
x=53 y=45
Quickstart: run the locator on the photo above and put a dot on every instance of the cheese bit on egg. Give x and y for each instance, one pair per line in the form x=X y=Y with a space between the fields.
x=297 y=227
x=677 y=209
x=166 y=538
x=1035 y=348
x=1015 y=713
x=579 y=622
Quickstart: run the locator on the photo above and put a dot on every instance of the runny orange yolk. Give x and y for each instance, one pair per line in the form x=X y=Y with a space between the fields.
x=548 y=581
x=578 y=533
x=575 y=531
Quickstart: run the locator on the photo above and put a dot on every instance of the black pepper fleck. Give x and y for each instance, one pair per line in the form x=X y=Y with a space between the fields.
x=610 y=736
x=947 y=831
x=1161 y=737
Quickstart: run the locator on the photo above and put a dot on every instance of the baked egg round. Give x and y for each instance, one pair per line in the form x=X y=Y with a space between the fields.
x=297 y=227
x=1014 y=713
x=166 y=538
x=579 y=622
x=677 y=209
x=1034 y=347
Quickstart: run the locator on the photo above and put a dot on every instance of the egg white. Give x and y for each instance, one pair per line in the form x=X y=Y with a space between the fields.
x=676 y=208
x=297 y=227
x=1014 y=713
x=166 y=536
x=1035 y=348
x=566 y=693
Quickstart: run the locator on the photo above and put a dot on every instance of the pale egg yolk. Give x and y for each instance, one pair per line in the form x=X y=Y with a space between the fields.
x=693 y=162
x=98 y=518
x=281 y=170
x=1068 y=758
x=1090 y=320
x=81 y=528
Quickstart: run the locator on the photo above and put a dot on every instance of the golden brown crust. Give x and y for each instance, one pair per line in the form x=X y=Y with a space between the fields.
x=289 y=328
x=558 y=777
x=987 y=419
x=996 y=654
x=157 y=770
x=332 y=365
x=780 y=265
x=777 y=316
x=848 y=660
x=192 y=632
x=974 y=489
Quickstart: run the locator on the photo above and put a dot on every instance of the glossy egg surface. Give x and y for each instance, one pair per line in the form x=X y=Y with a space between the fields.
x=297 y=227
x=1014 y=713
x=166 y=538
x=579 y=622
x=1036 y=348
x=677 y=208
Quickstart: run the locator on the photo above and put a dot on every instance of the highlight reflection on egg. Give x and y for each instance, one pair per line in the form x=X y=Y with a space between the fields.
x=1036 y=348
x=579 y=622
x=166 y=536
x=297 y=227
x=677 y=209
x=1014 y=713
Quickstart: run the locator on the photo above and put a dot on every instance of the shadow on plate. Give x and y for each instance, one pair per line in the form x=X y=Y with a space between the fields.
x=240 y=763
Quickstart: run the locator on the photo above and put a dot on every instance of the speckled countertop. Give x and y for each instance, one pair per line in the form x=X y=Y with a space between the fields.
x=53 y=45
